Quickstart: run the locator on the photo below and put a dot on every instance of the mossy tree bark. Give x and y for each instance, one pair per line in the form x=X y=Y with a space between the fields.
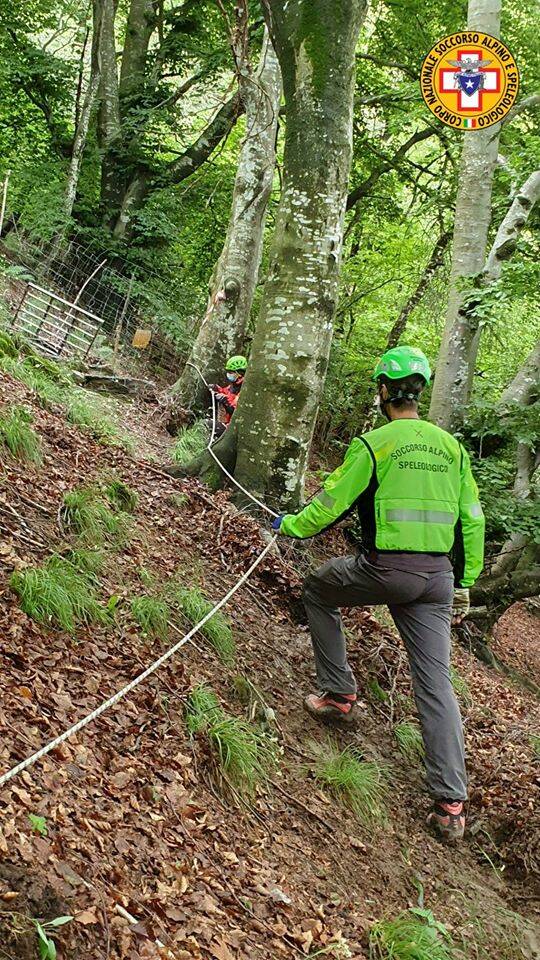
x=472 y=219
x=270 y=435
x=234 y=278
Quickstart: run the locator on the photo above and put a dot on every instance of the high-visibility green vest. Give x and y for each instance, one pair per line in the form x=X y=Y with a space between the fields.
x=413 y=486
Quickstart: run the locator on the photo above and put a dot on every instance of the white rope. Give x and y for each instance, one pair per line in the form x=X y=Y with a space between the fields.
x=218 y=461
x=6 y=777
x=24 y=764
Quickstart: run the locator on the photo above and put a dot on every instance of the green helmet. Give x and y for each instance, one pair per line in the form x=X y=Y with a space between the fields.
x=400 y=362
x=236 y=363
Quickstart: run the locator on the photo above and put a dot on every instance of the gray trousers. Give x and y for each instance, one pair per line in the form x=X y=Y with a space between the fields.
x=421 y=606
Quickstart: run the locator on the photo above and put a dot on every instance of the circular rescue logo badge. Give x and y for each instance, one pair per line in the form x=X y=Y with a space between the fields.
x=469 y=80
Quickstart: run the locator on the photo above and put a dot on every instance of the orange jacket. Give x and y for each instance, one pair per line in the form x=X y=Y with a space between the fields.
x=230 y=394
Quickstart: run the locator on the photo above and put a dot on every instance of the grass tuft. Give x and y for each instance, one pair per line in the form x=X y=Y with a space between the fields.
x=357 y=783
x=202 y=706
x=409 y=738
x=461 y=687
x=88 y=414
x=58 y=594
x=152 y=615
x=218 y=631
x=8 y=347
x=377 y=691
x=86 y=514
x=190 y=442
x=534 y=741
x=18 y=436
x=244 y=754
x=87 y=562
x=413 y=935
x=121 y=496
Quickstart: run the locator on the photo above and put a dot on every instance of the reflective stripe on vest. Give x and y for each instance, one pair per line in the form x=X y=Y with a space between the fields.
x=421 y=516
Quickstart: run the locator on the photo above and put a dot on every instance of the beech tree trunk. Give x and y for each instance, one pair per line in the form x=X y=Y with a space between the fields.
x=108 y=125
x=472 y=219
x=511 y=227
x=85 y=113
x=235 y=274
x=270 y=435
x=505 y=243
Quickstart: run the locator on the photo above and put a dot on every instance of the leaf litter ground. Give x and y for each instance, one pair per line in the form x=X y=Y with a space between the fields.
x=133 y=817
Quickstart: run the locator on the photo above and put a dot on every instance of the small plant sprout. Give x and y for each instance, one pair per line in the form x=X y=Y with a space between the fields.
x=412 y=935
x=18 y=436
x=178 y=500
x=47 y=946
x=190 y=442
x=57 y=594
x=534 y=741
x=217 y=630
x=38 y=824
x=86 y=514
x=243 y=754
x=152 y=615
x=409 y=738
x=338 y=949
x=355 y=782
x=145 y=576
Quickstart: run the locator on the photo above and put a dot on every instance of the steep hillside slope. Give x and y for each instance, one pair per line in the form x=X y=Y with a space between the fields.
x=135 y=813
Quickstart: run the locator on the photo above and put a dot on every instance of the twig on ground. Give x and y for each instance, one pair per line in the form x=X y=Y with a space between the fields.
x=303 y=806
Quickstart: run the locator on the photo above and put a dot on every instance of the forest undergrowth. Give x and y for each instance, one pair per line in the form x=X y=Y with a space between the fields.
x=205 y=805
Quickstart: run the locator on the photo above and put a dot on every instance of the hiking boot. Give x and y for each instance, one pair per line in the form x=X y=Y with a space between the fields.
x=332 y=707
x=447 y=819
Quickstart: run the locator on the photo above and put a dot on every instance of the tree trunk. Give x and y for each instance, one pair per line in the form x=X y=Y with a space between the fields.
x=495 y=594
x=511 y=227
x=139 y=28
x=108 y=125
x=234 y=278
x=84 y=115
x=508 y=557
x=505 y=243
x=274 y=421
x=525 y=385
x=124 y=100
x=472 y=218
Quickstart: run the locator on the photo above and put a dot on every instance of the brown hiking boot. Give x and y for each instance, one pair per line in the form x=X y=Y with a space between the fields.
x=332 y=707
x=447 y=819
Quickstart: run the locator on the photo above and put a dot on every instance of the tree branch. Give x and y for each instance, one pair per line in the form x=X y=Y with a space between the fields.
x=435 y=261
x=511 y=226
x=364 y=188
x=389 y=63
x=198 y=152
x=528 y=103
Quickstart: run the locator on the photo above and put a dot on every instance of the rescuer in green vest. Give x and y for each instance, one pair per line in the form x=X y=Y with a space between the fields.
x=412 y=485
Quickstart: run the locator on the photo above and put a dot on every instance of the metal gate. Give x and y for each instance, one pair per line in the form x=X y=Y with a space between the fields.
x=54 y=325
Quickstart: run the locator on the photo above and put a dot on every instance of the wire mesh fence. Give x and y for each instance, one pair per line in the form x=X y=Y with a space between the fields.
x=56 y=326
x=133 y=311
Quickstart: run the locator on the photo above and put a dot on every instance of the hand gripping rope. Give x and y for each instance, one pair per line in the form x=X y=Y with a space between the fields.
x=24 y=764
